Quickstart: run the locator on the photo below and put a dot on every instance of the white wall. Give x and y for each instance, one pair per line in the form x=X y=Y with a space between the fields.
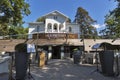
x=75 y=28
x=34 y=28
x=58 y=21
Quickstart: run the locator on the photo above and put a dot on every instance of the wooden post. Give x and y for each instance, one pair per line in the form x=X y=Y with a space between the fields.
x=42 y=59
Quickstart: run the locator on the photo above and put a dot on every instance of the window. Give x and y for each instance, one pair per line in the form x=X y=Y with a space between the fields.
x=70 y=29
x=55 y=27
x=49 y=27
x=38 y=27
x=55 y=17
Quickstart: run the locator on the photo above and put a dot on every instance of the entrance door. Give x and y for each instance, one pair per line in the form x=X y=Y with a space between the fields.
x=56 y=52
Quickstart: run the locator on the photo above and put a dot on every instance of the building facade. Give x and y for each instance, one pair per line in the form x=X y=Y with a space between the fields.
x=59 y=31
x=55 y=23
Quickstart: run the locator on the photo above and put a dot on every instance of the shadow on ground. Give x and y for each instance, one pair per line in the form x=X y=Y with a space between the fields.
x=66 y=70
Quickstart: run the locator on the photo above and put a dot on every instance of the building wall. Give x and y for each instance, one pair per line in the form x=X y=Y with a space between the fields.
x=52 y=20
x=8 y=45
x=74 y=29
x=35 y=28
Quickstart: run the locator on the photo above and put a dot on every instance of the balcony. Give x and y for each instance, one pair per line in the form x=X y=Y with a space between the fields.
x=55 y=36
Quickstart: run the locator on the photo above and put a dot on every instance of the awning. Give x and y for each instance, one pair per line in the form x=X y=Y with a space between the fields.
x=106 y=46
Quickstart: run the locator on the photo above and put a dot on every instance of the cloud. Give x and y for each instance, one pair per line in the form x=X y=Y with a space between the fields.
x=99 y=25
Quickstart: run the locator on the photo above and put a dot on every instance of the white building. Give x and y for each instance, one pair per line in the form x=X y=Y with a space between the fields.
x=55 y=34
x=55 y=22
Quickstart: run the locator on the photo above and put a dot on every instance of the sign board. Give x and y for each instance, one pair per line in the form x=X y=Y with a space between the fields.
x=96 y=46
x=31 y=48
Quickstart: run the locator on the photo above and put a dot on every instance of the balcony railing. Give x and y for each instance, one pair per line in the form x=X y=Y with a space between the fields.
x=55 y=36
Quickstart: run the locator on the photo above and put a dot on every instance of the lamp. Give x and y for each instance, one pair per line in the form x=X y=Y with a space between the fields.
x=81 y=40
x=113 y=40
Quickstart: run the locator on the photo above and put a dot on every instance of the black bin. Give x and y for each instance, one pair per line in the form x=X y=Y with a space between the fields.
x=21 y=61
x=77 y=57
x=107 y=62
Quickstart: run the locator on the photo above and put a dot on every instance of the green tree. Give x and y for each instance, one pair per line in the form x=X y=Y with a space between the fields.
x=12 y=13
x=103 y=34
x=22 y=32
x=112 y=20
x=15 y=9
x=68 y=20
x=12 y=32
x=18 y=32
x=85 y=21
x=41 y=19
x=110 y=26
x=3 y=29
x=92 y=32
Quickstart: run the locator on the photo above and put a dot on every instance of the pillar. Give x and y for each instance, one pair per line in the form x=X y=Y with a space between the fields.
x=50 y=52
x=62 y=52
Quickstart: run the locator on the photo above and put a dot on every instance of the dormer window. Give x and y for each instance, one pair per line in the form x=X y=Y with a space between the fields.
x=55 y=17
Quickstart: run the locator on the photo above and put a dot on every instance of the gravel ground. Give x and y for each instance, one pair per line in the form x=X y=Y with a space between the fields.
x=65 y=70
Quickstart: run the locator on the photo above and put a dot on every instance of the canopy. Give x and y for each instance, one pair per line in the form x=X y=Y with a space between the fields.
x=106 y=46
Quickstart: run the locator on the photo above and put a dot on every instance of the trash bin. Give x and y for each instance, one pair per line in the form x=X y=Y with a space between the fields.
x=21 y=61
x=107 y=62
x=77 y=56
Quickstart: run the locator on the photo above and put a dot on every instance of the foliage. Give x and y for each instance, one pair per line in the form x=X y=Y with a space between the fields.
x=41 y=19
x=18 y=32
x=68 y=20
x=15 y=9
x=85 y=21
x=12 y=13
x=3 y=29
x=112 y=20
x=12 y=32
x=103 y=33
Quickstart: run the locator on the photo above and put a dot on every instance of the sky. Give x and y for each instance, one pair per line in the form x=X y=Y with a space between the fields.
x=97 y=9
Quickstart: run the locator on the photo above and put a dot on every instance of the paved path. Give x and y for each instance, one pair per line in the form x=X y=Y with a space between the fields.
x=3 y=76
x=66 y=70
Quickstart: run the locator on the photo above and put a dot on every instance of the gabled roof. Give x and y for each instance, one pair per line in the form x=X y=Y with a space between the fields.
x=56 y=13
